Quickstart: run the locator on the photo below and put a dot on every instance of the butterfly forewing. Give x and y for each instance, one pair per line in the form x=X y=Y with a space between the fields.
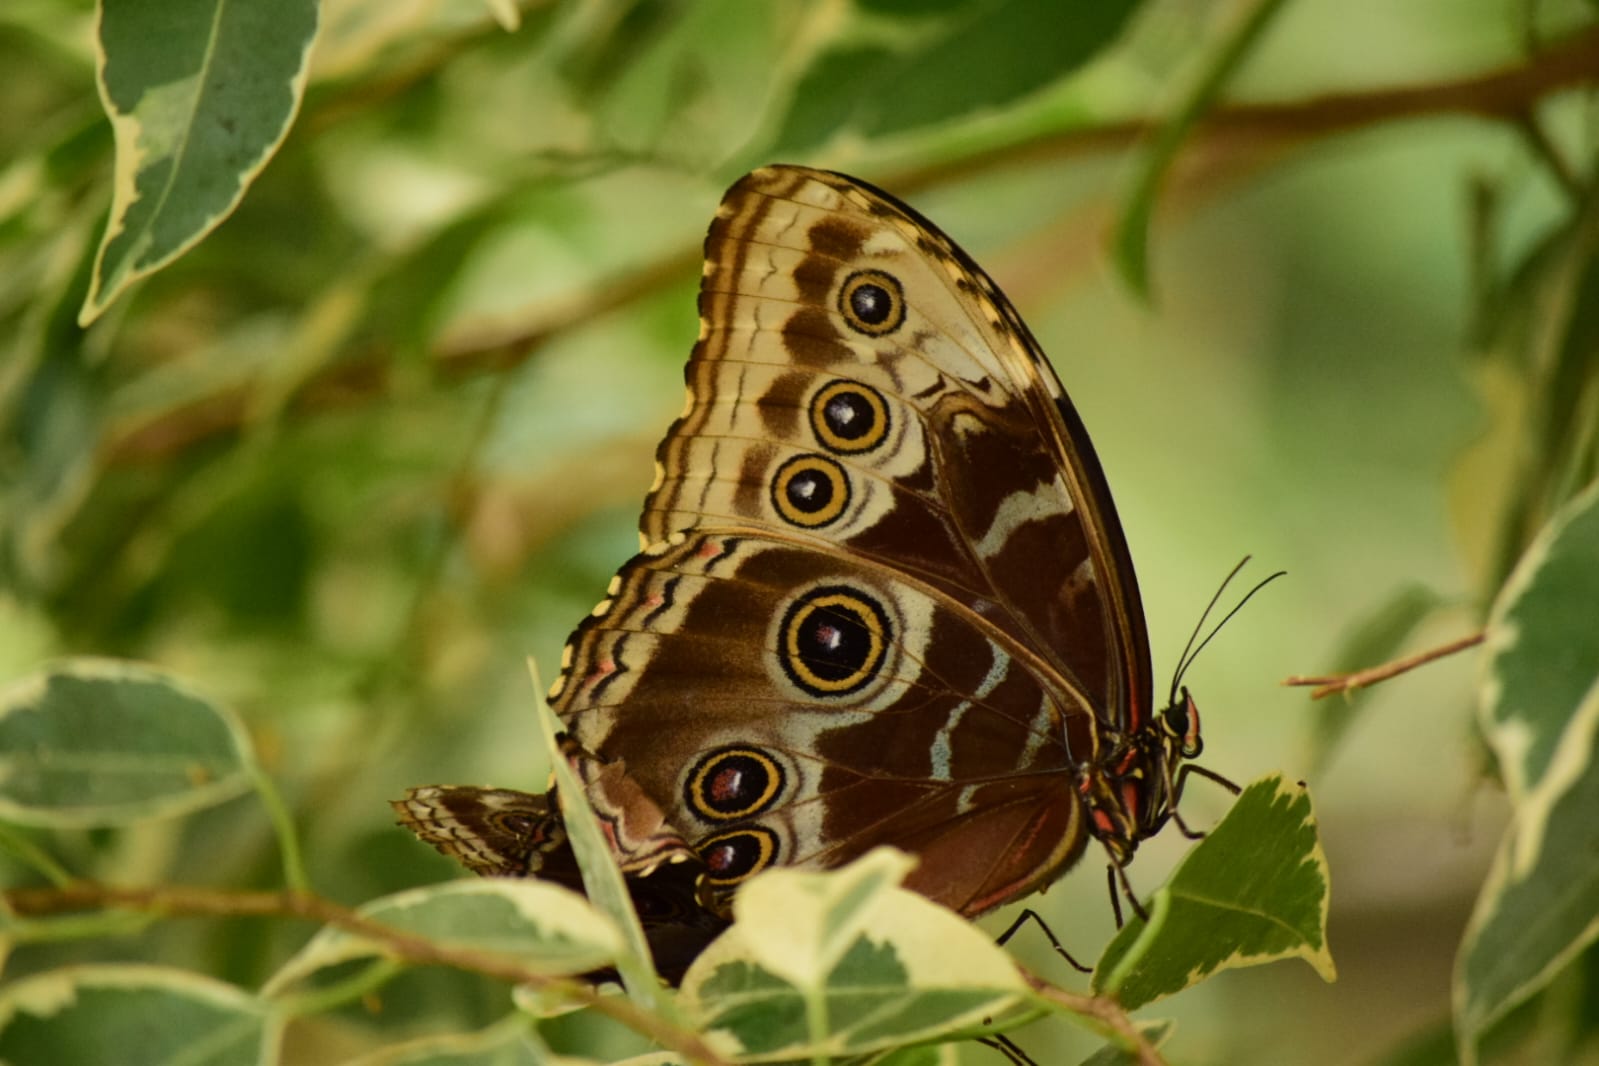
x=859 y=381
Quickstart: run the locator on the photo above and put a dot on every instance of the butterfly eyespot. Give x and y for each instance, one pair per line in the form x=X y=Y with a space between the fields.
x=848 y=417
x=810 y=491
x=833 y=641
x=737 y=855
x=733 y=783
x=872 y=302
x=515 y=824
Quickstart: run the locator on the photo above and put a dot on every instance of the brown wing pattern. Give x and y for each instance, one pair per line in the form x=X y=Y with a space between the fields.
x=974 y=475
x=787 y=705
x=884 y=597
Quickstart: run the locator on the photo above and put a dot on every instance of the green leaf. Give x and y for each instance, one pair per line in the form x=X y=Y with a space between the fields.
x=534 y=924
x=683 y=74
x=844 y=963
x=1540 y=714
x=94 y=742
x=1130 y=246
x=973 y=56
x=200 y=94
x=133 y=1016
x=602 y=879
x=1253 y=891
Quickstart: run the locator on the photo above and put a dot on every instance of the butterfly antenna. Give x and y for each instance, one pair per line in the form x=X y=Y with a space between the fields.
x=1183 y=660
x=1188 y=661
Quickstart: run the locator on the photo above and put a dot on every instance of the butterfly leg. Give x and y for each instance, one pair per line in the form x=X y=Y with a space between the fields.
x=1116 y=876
x=1177 y=795
x=1031 y=915
x=1007 y=1047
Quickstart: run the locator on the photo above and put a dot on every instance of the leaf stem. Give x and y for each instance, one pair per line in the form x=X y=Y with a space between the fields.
x=370 y=979
x=1104 y=1012
x=1131 y=242
x=282 y=819
x=1331 y=683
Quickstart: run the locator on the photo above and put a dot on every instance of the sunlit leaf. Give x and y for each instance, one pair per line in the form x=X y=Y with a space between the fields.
x=537 y=926
x=1255 y=890
x=845 y=963
x=1540 y=713
x=133 y=1016
x=200 y=94
x=101 y=742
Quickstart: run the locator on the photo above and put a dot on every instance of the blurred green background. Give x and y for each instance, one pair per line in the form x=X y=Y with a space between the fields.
x=385 y=432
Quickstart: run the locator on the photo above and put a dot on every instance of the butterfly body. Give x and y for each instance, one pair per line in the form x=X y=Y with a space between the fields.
x=884 y=596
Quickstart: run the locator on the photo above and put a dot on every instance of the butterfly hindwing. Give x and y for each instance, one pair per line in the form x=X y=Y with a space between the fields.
x=785 y=705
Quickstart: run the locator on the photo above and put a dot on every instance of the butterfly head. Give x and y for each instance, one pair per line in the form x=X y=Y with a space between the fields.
x=1179 y=725
x=1132 y=793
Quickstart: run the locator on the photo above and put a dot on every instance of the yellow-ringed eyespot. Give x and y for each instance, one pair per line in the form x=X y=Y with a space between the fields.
x=810 y=491
x=872 y=302
x=732 y=783
x=848 y=417
x=833 y=640
x=737 y=854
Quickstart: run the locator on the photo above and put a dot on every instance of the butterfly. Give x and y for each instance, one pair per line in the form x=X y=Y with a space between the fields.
x=884 y=597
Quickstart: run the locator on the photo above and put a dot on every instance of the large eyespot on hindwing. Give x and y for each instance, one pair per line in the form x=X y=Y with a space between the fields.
x=733 y=782
x=833 y=640
x=872 y=302
x=848 y=417
x=810 y=491
x=737 y=855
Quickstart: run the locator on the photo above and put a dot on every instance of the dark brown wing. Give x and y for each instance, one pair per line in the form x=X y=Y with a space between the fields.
x=785 y=705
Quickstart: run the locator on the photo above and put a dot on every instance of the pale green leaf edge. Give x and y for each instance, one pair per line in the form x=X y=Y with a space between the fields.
x=775 y=900
x=1532 y=801
x=197 y=798
x=810 y=920
x=602 y=879
x=539 y=902
x=511 y=1034
x=46 y=994
x=1518 y=851
x=1319 y=956
x=124 y=179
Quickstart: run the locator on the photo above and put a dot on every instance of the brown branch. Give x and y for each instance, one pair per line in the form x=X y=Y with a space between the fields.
x=1331 y=683
x=182 y=900
x=1103 y=1010
x=1505 y=94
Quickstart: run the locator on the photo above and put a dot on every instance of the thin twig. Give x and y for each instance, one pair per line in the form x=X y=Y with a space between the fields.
x=1331 y=683
x=1103 y=1010
x=194 y=902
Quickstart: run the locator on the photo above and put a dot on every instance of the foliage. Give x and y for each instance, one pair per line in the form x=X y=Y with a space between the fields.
x=337 y=337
